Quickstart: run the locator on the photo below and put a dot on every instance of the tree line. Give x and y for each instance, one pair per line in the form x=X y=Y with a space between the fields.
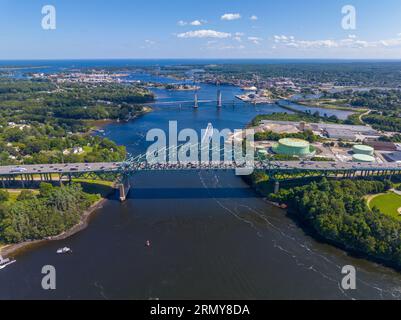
x=53 y=211
x=337 y=211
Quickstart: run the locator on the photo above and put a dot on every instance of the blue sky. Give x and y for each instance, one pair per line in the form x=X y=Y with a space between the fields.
x=200 y=29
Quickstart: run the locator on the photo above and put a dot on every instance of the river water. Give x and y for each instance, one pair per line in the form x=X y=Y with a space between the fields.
x=212 y=236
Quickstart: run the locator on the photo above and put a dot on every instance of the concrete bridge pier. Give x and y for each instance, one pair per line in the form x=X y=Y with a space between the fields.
x=124 y=188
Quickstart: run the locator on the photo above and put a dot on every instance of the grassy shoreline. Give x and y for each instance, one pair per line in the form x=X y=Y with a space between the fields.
x=316 y=104
x=388 y=203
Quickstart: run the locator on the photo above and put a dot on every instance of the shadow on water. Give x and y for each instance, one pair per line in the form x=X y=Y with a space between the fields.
x=192 y=193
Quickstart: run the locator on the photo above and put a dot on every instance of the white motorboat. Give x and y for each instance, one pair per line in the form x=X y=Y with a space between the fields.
x=64 y=250
x=5 y=262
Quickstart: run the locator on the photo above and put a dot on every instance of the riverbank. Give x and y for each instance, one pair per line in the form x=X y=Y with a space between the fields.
x=359 y=231
x=100 y=124
x=12 y=249
x=328 y=105
x=310 y=206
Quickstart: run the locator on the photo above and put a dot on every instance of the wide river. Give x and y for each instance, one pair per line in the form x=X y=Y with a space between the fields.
x=212 y=236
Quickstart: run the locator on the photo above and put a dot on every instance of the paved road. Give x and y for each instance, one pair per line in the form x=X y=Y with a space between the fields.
x=113 y=167
x=337 y=166
x=59 y=168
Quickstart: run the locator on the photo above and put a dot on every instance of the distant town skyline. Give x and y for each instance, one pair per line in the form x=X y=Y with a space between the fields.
x=157 y=29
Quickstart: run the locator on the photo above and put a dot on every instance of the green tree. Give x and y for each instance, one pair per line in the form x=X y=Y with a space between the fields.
x=45 y=189
x=4 y=195
x=26 y=195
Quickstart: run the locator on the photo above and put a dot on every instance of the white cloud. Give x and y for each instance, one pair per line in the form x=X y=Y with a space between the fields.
x=395 y=42
x=204 y=34
x=230 y=16
x=148 y=44
x=195 y=23
x=254 y=18
x=255 y=40
x=238 y=36
x=198 y=22
x=282 y=38
x=350 y=42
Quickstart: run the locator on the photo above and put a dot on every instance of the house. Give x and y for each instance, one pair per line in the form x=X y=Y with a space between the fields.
x=77 y=150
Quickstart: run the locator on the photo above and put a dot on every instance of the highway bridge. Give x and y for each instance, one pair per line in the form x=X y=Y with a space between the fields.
x=277 y=170
x=123 y=167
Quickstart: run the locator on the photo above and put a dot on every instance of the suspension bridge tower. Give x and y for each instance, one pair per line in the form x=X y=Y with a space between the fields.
x=219 y=96
x=196 y=103
x=196 y=99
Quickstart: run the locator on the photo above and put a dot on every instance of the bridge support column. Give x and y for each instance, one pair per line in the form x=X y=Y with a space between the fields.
x=276 y=187
x=124 y=189
x=219 y=99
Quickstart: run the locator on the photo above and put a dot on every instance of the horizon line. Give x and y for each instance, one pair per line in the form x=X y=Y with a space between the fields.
x=203 y=59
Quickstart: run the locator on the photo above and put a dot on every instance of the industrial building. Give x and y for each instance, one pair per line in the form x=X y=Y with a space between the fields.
x=330 y=130
x=393 y=157
x=341 y=134
x=363 y=158
x=362 y=149
x=381 y=145
x=263 y=153
x=293 y=147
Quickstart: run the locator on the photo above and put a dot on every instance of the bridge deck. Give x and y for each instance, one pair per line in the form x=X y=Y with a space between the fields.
x=104 y=167
x=58 y=168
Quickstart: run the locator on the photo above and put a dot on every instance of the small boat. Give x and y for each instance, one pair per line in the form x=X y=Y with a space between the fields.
x=5 y=262
x=64 y=250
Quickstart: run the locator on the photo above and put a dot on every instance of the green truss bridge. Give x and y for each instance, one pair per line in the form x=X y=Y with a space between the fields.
x=277 y=170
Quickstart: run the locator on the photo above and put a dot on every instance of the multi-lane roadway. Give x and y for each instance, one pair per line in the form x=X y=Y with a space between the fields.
x=106 y=167
x=58 y=168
